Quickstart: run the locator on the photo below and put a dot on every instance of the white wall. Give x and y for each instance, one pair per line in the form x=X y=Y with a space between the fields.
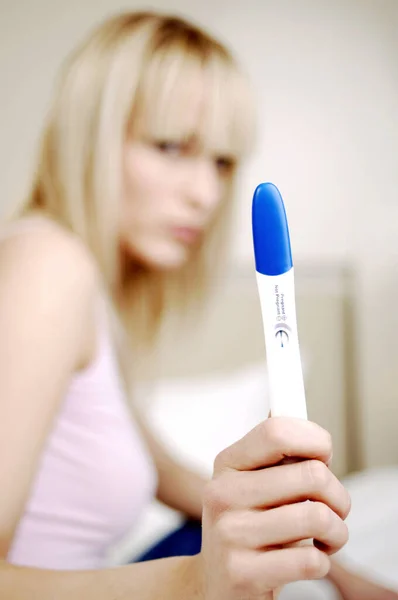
x=326 y=76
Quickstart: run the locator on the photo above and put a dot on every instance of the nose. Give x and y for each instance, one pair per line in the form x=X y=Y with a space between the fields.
x=204 y=187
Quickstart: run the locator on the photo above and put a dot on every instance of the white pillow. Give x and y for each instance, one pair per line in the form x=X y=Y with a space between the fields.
x=197 y=418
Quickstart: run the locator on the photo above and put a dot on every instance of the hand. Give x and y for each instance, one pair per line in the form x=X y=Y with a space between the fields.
x=254 y=508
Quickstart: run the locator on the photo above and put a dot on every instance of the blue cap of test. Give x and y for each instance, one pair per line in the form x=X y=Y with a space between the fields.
x=272 y=251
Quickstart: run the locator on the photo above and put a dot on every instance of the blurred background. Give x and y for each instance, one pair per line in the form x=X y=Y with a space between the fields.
x=325 y=75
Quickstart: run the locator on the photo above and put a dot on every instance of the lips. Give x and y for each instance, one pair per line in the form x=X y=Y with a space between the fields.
x=187 y=235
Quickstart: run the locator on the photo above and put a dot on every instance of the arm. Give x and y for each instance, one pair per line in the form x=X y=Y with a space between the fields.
x=47 y=307
x=45 y=329
x=181 y=489
x=170 y=579
x=178 y=486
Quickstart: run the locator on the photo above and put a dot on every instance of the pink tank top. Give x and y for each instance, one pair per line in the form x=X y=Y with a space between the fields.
x=94 y=478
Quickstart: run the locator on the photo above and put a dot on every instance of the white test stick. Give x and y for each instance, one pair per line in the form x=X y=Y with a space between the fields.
x=275 y=280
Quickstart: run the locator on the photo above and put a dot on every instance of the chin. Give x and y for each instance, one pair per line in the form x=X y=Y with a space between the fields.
x=168 y=265
x=161 y=257
x=164 y=261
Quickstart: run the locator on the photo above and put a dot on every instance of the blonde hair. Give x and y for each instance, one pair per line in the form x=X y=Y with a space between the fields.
x=136 y=69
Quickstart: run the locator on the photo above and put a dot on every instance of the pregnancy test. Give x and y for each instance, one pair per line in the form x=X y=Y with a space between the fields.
x=275 y=281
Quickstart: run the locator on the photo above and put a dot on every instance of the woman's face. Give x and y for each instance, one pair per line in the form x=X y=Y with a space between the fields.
x=171 y=193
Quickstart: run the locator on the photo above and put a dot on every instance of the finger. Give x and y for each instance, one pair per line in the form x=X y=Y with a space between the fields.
x=256 y=573
x=285 y=525
x=276 y=486
x=274 y=440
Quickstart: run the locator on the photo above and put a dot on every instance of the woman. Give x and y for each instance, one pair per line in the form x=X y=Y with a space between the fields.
x=132 y=186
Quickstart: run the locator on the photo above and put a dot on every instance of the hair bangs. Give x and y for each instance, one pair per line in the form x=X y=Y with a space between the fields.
x=226 y=126
x=168 y=92
x=187 y=97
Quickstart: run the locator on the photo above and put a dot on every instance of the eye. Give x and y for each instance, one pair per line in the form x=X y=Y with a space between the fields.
x=171 y=148
x=224 y=164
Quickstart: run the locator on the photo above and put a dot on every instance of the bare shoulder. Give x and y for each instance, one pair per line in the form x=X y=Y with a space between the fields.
x=41 y=245
x=46 y=274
